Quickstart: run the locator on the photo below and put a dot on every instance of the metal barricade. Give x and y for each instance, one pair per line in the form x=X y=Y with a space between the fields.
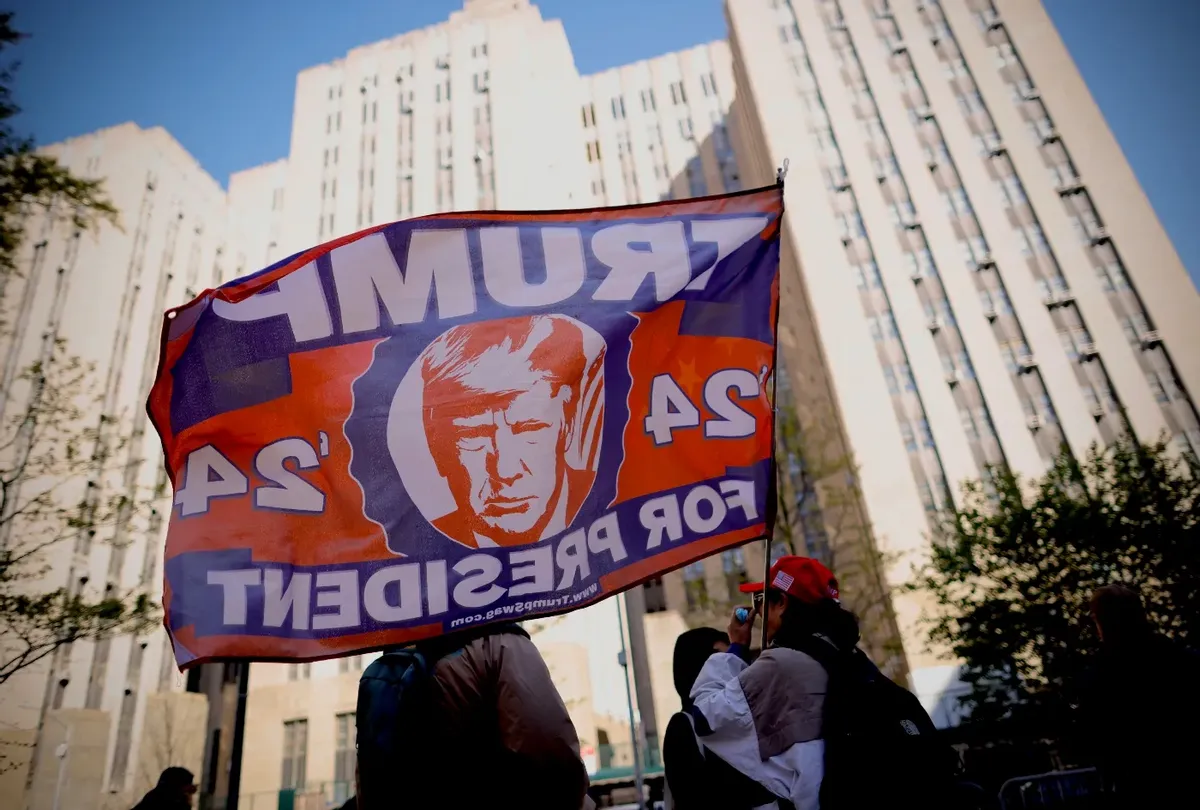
x=1078 y=790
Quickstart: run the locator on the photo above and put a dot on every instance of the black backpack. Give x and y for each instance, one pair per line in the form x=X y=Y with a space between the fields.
x=394 y=713
x=699 y=778
x=881 y=748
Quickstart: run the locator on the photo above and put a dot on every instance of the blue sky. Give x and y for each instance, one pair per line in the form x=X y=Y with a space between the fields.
x=220 y=74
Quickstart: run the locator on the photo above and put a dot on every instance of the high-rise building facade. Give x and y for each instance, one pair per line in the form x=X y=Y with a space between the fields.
x=98 y=297
x=966 y=247
x=478 y=112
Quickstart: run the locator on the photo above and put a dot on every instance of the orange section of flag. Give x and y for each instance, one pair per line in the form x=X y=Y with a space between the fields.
x=340 y=532
x=666 y=444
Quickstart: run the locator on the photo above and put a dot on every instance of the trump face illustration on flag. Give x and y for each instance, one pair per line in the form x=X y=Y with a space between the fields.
x=512 y=413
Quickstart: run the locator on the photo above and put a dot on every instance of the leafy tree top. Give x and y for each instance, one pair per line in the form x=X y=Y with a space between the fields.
x=1012 y=571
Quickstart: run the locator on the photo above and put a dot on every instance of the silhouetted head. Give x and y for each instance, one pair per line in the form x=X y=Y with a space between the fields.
x=692 y=649
x=176 y=786
x=1119 y=616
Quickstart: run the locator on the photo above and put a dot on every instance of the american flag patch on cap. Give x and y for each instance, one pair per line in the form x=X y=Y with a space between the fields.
x=782 y=581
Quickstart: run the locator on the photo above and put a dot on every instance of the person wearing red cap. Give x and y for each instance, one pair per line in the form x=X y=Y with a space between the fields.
x=765 y=718
x=812 y=719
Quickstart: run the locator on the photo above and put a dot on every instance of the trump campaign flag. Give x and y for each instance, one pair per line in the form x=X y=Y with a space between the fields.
x=465 y=418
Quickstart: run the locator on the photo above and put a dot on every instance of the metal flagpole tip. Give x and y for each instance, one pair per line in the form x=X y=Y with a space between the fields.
x=781 y=172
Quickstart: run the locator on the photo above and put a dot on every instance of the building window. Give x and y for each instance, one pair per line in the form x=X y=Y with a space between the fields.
x=1117 y=273
x=1157 y=388
x=870 y=272
x=302 y=672
x=926 y=433
x=350 y=663
x=733 y=564
x=964 y=365
x=295 y=754
x=678 y=96
x=694 y=585
x=655 y=595
x=648 y=102
x=889 y=374
x=968 y=423
x=345 y=757
x=876 y=329
x=618 y=108
x=695 y=177
x=685 y=128
x=1039 y=239
x=889 y=322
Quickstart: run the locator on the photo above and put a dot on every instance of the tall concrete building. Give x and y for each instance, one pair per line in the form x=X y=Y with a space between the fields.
x=100 y=295
x=487 y=111
x=472 y=113
x=964 y=242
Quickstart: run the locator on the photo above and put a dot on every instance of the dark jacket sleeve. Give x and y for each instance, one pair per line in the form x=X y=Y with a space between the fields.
x=535 y=727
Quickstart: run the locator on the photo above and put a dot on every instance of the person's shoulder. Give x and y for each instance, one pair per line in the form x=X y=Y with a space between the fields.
x=677 y=725
x=788 y=658
x=505 y=645
x=788 y=664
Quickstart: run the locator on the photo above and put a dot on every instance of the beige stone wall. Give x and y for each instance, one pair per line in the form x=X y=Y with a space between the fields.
x=568 y=665
x=172 y=736
x=276 y=700
x=661 y=631
x=84 y=732
x=16 y=754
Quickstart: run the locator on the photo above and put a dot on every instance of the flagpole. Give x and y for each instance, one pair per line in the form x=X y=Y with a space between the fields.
x=623 y=659
x=233 y=791
x=773 y=485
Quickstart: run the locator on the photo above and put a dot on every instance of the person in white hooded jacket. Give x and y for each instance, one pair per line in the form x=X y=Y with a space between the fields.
x=765 y=718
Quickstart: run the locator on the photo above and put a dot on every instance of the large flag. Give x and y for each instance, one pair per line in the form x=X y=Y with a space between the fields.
x=465 y=418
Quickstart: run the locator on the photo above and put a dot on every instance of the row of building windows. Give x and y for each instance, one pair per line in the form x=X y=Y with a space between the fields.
x=877 y=310
x=1180 y=414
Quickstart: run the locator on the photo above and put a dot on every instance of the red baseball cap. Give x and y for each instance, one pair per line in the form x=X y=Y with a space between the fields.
x=801 y=577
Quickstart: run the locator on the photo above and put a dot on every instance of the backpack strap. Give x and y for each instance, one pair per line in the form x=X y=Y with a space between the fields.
x=821 y=650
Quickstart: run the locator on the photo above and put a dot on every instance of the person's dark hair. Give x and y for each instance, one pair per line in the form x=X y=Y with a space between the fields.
x=174 y=779
x=692 y=649
x=802 y=619
x=1118 y=611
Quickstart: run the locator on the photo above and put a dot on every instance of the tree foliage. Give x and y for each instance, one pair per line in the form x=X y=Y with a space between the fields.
x=30 y=182
x=1012 y=572
x=821 y=515
x=49 y=471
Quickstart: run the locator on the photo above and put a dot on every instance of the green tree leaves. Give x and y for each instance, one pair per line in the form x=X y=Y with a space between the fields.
x=1011 y=573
